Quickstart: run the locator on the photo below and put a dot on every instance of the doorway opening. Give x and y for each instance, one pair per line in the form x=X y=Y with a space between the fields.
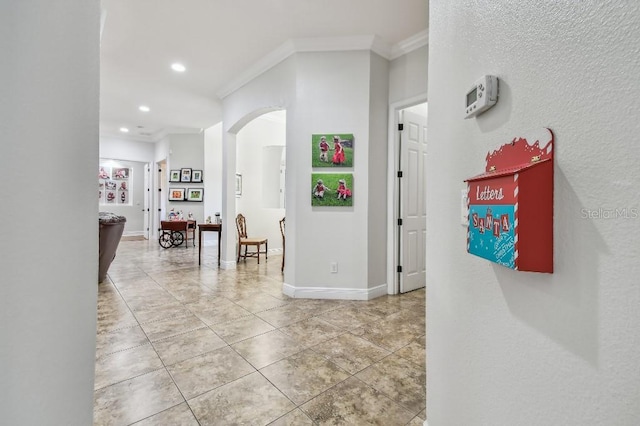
x=123 y=190
x=260 y=175
x=409 y=200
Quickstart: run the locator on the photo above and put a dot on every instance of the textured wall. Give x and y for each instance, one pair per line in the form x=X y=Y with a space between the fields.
x=513 y=348
x=49 y=240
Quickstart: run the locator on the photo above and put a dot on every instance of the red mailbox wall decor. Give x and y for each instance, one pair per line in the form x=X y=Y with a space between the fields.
x=511 y=205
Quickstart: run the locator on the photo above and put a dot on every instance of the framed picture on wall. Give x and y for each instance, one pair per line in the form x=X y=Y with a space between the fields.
x=110 y=197
x=104 y=172
x=176 y=194
x=195 y=194
x=332 y=189
x=120 y=173
x=238 y=185
x=174 y=176
x=185 y=175
x=196 y=176
x=123 y=197
x=332 y=150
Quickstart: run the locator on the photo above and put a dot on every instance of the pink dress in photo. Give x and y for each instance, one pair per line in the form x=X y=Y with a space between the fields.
x=338 y=156
x=343 y=190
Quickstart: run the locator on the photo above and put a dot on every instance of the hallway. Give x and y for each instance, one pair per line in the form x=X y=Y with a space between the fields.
x=179 y=344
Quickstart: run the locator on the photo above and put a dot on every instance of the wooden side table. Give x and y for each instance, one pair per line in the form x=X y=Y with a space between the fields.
x=211 y=227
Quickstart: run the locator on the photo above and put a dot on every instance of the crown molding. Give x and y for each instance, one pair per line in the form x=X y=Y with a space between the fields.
x=342 y=44
x=410 y=44
x=324 y=44
x=267 y=62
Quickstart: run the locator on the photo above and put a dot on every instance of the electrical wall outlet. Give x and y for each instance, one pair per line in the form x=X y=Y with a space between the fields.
x=333 y=267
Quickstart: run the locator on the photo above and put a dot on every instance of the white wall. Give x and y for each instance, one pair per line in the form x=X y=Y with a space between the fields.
x=49 y=256
x=273 y=90
x=377 y=176
x=508 y=347
x=328 y=98
x=333 y=99
x=407 y=75
x=124 y=149
x=212 y=178
x=186 y=151
x=251 y=141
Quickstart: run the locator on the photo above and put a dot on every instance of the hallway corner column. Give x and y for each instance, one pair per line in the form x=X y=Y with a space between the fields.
x=228 y=260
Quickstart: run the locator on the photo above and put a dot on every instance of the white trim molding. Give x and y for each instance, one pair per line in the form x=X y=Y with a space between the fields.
x=133 y=234
x=324 y=44
x=410 y=44
x=334 y=293
x=228 y=264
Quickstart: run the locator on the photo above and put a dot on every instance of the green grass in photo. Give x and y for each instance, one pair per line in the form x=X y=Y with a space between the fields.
x=331 y=197
x=347 y=145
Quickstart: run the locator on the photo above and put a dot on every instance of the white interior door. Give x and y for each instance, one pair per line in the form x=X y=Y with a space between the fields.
x=145 y=207
x=413 y=207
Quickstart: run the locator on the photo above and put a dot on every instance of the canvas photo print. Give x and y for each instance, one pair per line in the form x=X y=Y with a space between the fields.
x=332 y=150
x=332 y=189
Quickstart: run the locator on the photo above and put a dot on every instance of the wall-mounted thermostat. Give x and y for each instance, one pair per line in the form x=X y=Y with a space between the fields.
x=482 y=96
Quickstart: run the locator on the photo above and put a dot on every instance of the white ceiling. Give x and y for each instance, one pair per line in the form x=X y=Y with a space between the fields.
x=216 y=40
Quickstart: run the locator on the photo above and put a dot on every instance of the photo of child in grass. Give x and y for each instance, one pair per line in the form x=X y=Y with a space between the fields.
x=332 y=150
x=332 y=189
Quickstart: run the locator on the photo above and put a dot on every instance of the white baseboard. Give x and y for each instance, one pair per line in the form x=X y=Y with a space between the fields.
x=425 y=423
x=133 y=234
x=334 y=293
x=228 y=264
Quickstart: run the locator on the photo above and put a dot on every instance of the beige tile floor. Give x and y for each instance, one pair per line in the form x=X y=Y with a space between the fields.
x=182 y=344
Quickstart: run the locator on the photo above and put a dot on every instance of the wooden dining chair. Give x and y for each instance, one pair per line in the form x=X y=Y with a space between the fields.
x=244 y=240
x=282 y=232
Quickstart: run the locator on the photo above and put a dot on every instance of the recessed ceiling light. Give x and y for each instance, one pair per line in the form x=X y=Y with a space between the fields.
x=144 y=108
x=124 y=130
x=178 y=67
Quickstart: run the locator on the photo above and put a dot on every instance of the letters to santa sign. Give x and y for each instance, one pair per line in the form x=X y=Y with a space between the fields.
x=511 y=205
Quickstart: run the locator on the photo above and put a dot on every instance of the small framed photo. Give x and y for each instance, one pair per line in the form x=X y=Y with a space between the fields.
x=238 y=185
x=176 y=194
x=120 y=173
x=110 y=196
x=196 y=176
x=123 y=197
x=104 y=173
x=185 y=175
x=195 y=194
x=174 y=176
